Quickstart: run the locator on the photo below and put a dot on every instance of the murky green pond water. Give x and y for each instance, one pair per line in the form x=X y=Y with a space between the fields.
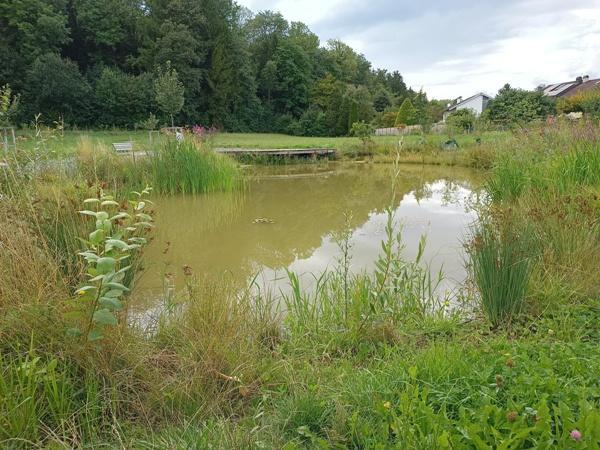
x=289 y=215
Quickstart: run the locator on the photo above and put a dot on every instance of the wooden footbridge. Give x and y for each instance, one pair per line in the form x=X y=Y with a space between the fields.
x=279 y=152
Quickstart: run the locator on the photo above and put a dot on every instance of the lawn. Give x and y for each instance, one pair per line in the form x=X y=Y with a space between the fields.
x=59 y=144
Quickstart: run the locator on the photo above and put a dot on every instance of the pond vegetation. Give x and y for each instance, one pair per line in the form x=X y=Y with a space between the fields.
x=364 y=360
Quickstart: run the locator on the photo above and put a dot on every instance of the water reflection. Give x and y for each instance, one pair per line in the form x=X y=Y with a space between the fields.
x=288 y=216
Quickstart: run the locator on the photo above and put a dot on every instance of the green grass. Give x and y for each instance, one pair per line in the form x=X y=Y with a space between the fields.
x=501 y=261
x=66 y=143
x=364 y=361
x=170 y=168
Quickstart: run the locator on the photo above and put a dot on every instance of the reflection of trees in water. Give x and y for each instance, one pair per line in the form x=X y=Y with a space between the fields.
x=205 y=212
x=216 y=232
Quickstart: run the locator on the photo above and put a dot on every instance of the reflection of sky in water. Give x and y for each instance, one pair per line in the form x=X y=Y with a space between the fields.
x=217 y=234
x=441 y=218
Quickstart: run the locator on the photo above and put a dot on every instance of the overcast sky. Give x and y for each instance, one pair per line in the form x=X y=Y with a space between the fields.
x=460 y=47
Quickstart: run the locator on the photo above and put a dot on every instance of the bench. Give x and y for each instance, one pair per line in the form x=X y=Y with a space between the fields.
x=123 y=148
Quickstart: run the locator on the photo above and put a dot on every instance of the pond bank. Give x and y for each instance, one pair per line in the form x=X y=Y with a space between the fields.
x=364 y=360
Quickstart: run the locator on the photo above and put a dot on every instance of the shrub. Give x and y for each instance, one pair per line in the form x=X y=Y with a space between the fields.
x=517 y=106
x=462 y=120
x=9 y=105
x=587 y=102
x=56 y=89
x=313 y=122
x=122 y=99
x=151 y=123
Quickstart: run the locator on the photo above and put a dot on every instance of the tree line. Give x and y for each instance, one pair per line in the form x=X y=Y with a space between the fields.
x=95 y=63
x=138 y=63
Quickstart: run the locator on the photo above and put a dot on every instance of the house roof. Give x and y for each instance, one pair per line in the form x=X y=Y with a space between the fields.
x=584 y=87
x=457 y=104
x=569 y=88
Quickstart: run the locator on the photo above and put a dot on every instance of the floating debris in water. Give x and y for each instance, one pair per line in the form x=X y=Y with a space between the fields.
x=263 y=220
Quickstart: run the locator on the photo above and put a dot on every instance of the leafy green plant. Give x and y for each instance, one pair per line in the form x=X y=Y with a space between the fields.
x=169 y=92
x=109 y=254
x=151 y=123
x=462 y=120
x=9 y=105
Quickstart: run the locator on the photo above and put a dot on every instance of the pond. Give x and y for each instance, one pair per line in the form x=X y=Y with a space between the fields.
x=288 y=217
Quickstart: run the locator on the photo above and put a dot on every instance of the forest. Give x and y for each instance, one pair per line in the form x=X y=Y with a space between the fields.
x=94 y=63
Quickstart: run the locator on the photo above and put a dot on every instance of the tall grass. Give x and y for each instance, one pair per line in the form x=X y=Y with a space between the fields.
x=547 y=182
x=171 y=168
x=500 y=264
x=560 y=158
x=192 y=169
x=361 y=361
x=346 y=309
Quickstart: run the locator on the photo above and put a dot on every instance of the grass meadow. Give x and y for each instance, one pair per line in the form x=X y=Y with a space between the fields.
x=65 y=143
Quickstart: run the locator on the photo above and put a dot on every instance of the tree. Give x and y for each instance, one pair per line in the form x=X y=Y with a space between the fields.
x=169 y=92
x=293 y=79
x=233 y=103
x=102 y=31
x=363 y=131
x=28 y=30
x=122 y=99
x=345 y=64
x=462 y=120
x=436 y=108
x=395 y=83
x=517 y=106
x=56 y=89
x=265 y=32
x=9 y=105
x=178 y=46
x=268 y=78
x=382 y=100
x=241 y=71
x=313 y=122
x=421 y=116
x=406 y=114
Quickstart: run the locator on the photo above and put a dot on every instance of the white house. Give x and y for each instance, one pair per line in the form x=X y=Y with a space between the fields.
x=477 y=103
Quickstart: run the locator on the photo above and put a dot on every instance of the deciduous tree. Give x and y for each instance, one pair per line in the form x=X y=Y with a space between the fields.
x=169 y=92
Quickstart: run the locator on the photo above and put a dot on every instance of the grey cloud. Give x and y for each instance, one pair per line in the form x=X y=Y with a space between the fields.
x=450 y=38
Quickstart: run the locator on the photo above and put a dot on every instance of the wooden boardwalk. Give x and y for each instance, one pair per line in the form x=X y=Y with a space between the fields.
x=280 y=152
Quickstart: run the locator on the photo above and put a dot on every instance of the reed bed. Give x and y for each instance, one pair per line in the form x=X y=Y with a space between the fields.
x=171 y=168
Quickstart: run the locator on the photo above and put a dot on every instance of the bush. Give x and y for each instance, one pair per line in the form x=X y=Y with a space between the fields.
x=518 y=106
x=9 y=106
x=462 y=120
x=122 y=99
x=55 y=88
x=313 y=122
x=587 y=102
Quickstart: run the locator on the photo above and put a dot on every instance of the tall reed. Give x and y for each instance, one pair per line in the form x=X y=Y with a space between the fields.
x=192 y=169
x=500 y=265
x=171 y=168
